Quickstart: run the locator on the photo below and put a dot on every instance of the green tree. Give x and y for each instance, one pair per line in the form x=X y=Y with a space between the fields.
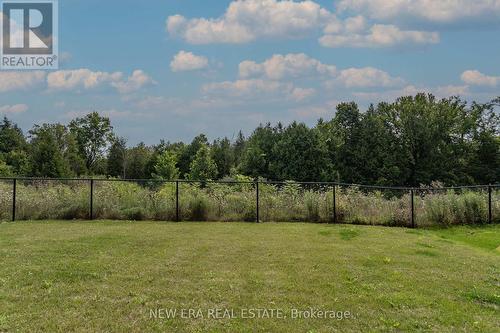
x=415 y=140
x=175 y=148
x=188 y=153
x=429 y=135
x=72 y=155
x=137 y=161
x=258 y=154
x=11 y=137
x=379 y=153
x=93 y=134
x=484 y=158
x=19 y=161
x=5 y=170
x=165 y=167
x=239 y=148
x=299 y=155
x=203 y=166
x=116 y=157
x=341 y=137
x=223 y=156
x=47 y=149
x=13 y=148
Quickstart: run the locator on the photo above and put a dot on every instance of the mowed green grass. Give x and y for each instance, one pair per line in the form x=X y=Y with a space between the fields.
x=107 y=276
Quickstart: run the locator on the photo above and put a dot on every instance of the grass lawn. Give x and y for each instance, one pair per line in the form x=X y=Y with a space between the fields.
x=108 y=276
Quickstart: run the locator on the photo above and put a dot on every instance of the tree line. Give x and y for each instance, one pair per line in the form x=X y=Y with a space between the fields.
x=413 y=141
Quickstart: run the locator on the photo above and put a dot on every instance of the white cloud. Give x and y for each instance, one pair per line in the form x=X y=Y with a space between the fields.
x=283 y=66
x=13 y=109
x=301 y=66
x=245 y=21
x=110 y=113
x=411 y=90
x=113 y=113
x=19 y=80
x=438 y=11
x=312 y=111
x=379 y=35
x=187 y=61
x=248 y=20
x=367 y=77
x=151 y=102
x=256 y=90
x=300 y=94
x=247 y=88
x=280 y=77
x=163 y=105
x=176 y=24
x=354 y=24
x=476 y=78
x=80 y=78
x=135 y=82
x=65 y=57
x=316 y=111
x=249 y=68
x=390 y=95
x=86 y=79
x=452 y=90
x=203 y=31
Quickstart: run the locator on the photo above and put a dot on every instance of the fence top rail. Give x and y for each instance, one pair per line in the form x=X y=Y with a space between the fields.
x=235 y=182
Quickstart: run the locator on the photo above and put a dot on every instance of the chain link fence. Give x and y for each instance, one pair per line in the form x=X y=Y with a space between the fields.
x=251 y=201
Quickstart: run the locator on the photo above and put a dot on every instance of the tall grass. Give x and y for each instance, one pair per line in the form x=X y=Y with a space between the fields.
x=39 y=200
x=452 y=208
x=357 y=207
x=5 y=200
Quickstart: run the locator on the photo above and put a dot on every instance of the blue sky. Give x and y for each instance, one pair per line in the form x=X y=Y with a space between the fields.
x=174 y=68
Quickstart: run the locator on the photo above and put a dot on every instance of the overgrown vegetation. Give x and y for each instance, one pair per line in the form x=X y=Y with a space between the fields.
x=413 y=141
x=288 y=202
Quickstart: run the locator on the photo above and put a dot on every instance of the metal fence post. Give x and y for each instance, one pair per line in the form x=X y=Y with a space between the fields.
x=14 y=187
x=257 y=200
x=334 y=203
x=177 y=201
x=412 y=209
x=490 y=216
x=91 y=211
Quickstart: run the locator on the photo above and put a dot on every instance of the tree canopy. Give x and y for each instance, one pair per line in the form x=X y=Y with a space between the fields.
x=416 y=140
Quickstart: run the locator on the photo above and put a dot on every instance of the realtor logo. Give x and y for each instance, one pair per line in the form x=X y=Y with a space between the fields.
x=29 y=35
